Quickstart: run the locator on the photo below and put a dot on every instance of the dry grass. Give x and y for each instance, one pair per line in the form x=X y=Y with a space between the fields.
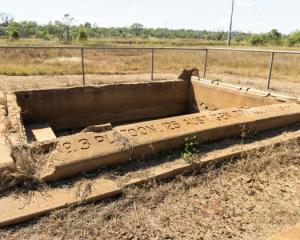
x=249 y=199
x=24 y=177
x=24 y=62
x=63 y=63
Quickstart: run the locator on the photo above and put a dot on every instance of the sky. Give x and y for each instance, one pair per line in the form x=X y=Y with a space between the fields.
x=249 y=15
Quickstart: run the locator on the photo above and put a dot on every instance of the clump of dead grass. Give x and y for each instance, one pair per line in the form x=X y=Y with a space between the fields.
x=25 y=174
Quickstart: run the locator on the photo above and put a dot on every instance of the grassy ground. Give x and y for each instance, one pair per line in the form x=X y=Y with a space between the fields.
x=50 y=62
x=252 y=198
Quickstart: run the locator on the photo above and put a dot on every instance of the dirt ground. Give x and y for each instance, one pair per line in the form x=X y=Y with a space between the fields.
x=252 y=198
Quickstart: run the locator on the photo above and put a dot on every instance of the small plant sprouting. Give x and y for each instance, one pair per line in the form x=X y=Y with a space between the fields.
x=189 y=152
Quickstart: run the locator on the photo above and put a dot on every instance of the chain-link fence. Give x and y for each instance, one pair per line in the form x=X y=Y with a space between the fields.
x=34 y=67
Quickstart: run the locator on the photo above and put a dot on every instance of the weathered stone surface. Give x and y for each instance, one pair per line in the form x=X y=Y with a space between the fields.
x=292 y=233
x=98 y=128
x=41 y=132
x=15 y=210
x=69 y=108
x=6 y=161
x=227 y=96
x=87 y=151
x=2 y=120
x=16 y=129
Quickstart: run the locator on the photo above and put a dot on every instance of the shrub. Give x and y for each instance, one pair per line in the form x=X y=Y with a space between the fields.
x=257 y=39
x=82 y=35
x=293 y=38
x=15 y=35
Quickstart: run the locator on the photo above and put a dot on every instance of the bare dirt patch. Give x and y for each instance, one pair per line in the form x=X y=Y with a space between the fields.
x=9 y=83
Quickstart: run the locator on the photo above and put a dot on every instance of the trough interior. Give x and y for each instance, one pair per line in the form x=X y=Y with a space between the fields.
x=73 y=109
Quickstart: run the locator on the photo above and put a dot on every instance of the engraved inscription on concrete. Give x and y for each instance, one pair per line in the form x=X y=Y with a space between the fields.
x=152 y=136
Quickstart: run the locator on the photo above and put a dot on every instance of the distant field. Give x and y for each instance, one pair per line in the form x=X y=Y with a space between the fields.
x=63 y=62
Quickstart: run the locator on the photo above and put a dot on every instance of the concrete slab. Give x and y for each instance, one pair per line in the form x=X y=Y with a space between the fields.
x=88 y=151
x=41 y=132
x=79 y=107
x=292 y=233
x=2 y=120
x=15 y=210
x=6 y=161
x=226 y=96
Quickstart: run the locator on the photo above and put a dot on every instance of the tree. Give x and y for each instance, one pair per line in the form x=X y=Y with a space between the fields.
x=274 y=36
x=68 y=20
x=293 y=38
x=82 y=36
x=15 y=35
x=87 y=25
x=137 y=29
x=257 y=39
x=5 y=19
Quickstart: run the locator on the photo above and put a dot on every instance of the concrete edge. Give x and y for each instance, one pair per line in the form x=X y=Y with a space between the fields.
x=214 y=156
x=291 y=233
x=278 y=97
x=42 y=203
x=96 y=85
x=107 y=188
x=6 y=160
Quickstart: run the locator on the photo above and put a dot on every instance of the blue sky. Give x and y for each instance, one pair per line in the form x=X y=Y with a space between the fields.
x=250 y=15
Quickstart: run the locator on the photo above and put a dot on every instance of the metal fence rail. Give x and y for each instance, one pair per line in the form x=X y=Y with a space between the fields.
x=225 y=64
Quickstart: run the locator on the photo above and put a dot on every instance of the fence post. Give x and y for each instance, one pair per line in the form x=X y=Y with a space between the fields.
x=270 y=69
x=152 y=64
x=82 y=66
x=205 y=63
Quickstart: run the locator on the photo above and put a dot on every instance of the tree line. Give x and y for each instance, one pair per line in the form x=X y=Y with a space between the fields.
x=66 y=31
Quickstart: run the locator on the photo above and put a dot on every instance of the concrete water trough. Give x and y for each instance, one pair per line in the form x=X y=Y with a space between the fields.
x=80 y=129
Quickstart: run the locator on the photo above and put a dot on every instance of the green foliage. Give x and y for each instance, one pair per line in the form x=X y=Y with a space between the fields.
x=15 y=35
x=257 y=39
x=65 y=31
x=273 y=37
x=189 y=153
x=293 y=38
x=82 y=36
x=136 y=29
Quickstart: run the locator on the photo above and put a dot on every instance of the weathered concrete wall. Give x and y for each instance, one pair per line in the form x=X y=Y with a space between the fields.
x=221 y=95
x=6 y=161
x=87 y=151
x=117 y=103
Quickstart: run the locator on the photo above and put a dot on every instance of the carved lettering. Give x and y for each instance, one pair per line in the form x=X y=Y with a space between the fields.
x=132 y=132
x=171 y=125
x=84 y=144
x=142 y=130
x=110 y=138
x=67 y=146
x=99 y=139
x=151 y=128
